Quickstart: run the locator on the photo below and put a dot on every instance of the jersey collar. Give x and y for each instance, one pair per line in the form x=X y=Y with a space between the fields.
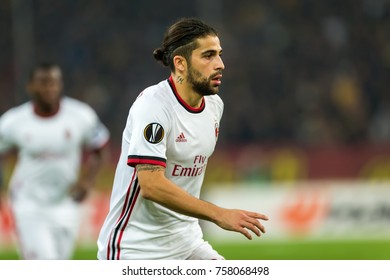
x=182 y=102
x=44 y=114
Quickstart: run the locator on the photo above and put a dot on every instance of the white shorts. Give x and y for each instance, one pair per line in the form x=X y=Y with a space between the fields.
x=205 y=252
x=47 y=233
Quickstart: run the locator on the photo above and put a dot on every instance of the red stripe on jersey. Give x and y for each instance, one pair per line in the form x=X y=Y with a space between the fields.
x=182 y=102
x=127 y=221
x=125 y=206
x=133 y=161
x=108 y=247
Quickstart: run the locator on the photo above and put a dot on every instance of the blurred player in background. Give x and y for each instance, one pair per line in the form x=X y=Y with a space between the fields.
x=50 y=135
x=171 y=132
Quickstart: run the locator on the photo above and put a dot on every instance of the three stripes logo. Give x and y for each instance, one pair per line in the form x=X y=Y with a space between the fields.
x=181 y=138
x=154 y=133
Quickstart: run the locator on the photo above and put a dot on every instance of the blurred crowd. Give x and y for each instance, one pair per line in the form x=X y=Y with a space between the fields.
x=297 y=71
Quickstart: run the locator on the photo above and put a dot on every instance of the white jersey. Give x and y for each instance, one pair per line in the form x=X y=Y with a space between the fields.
x=161 y=129
x=49 y=149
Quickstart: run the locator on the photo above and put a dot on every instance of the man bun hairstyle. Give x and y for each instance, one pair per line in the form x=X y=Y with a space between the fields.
x=159 y=56
x=180 y=39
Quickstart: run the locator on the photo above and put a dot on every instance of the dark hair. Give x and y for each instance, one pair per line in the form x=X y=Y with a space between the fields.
x=45 y=66
x=180 y=39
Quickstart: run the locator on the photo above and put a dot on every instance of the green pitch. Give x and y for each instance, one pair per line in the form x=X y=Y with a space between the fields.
x=339 y=250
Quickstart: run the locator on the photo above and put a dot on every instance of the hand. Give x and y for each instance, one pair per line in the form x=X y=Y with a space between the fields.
x=241 y=221
x=80 y=191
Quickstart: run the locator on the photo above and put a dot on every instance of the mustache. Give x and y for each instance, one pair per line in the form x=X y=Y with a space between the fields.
x=216 y=74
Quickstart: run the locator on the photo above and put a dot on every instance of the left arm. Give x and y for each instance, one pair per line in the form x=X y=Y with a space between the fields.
x=94 y=162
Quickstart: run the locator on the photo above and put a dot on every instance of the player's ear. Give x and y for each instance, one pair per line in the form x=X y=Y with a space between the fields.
x=180 y=63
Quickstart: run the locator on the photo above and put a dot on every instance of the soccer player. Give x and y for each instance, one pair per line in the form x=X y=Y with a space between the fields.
x=50 y=134
x=170 y=134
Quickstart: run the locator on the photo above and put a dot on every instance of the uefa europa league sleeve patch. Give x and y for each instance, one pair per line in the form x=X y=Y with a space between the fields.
x=154 y=133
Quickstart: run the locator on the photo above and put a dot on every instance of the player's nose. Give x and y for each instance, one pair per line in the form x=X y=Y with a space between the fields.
x=220 y=65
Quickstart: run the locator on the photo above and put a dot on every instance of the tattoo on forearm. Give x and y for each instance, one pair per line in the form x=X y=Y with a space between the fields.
x=180 y=79
x=149 y=167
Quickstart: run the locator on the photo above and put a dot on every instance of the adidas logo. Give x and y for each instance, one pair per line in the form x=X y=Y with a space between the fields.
x=181 y=138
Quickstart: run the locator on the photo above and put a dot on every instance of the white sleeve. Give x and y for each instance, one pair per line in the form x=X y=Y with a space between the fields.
x=148 y=126
x=6 y=142
x=97 y=135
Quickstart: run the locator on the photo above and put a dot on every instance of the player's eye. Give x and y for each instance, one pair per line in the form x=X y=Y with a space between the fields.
x=209 y=55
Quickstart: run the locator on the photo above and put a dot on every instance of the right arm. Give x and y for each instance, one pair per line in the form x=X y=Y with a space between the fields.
x=157 y=188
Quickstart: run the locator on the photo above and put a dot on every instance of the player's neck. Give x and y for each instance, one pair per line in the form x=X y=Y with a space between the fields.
x=46 y=110
x=186 y=92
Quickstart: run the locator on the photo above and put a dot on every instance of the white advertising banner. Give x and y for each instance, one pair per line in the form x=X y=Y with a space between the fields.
x=308 y=210
x=300 y=211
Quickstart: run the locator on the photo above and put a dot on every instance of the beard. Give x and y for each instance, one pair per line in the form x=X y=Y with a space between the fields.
x=201 y=84
x=46 y=103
